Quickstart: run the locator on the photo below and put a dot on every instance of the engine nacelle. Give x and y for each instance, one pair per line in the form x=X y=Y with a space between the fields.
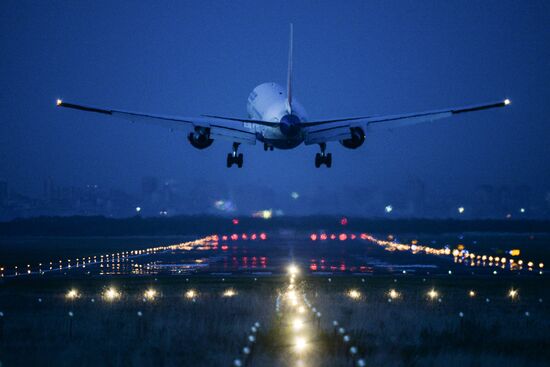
x=200 y=138
x=357 y=138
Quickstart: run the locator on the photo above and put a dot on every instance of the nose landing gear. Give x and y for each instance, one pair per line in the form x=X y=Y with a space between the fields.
x=323 y=158
x=234 y=158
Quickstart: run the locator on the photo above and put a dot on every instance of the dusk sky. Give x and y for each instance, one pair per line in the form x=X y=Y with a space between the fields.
x=204 y=57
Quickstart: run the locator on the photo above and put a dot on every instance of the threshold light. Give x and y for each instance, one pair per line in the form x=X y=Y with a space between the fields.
x=472 y=293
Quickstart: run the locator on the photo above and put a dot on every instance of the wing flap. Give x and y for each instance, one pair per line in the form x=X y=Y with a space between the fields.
x=228 y=130
x=328 y=133
x=316 y=131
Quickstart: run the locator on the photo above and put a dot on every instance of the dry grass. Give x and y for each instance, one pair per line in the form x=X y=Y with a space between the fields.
x=417 y=331
x=173 y=330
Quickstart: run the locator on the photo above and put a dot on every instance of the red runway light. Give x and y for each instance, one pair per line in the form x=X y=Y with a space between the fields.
x=244 y=236
x=343 y=237
x=353 y=236
x=235 y=221
x=344 y=221
x=313 y=237
x=323 y=237
x=224 y=238
x=234 y=237
x=263 y=236
x=253 y=237
x=332 y=236
x=225 y=247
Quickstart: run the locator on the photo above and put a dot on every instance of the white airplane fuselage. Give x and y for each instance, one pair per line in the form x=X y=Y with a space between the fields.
x=268 y=102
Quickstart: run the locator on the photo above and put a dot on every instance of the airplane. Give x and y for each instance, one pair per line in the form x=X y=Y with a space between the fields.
x=278 y=120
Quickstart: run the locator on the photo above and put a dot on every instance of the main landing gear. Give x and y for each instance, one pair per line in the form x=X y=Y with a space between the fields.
x=323 y=158
x=234 y=158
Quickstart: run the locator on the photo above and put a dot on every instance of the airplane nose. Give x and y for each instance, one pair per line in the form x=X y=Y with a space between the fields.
x=290 y=125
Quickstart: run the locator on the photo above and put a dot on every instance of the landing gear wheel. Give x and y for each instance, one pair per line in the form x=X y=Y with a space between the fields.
x=318 y=160
x=323 y=158
x=239 y=160
x=234 y=158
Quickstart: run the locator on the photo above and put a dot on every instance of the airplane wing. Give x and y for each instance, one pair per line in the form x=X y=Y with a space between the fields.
x=219 y=129
x=339 y=129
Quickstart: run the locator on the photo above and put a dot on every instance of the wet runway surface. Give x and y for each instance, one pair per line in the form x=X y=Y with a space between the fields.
x=261 y=254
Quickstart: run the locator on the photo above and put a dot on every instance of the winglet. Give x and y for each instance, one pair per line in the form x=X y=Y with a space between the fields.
x=289 y=75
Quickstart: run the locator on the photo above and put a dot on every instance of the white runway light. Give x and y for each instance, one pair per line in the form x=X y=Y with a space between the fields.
x=72 y=294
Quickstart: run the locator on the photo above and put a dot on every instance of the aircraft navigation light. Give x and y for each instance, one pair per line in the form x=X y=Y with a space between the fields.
x=507 y=102
x=58 y=102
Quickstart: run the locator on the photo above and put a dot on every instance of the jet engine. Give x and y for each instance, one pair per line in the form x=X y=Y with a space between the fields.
x=200 y=138
x=357 y=138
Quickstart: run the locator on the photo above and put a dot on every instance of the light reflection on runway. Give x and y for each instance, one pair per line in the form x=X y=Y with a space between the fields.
x=260 y=254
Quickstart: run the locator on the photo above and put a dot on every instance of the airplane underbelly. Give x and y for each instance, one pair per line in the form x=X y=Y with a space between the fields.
x=285 y=143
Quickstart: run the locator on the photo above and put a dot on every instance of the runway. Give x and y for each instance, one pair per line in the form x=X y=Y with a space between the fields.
x=266 y=254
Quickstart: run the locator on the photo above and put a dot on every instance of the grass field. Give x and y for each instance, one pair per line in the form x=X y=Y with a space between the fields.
x=211 y=330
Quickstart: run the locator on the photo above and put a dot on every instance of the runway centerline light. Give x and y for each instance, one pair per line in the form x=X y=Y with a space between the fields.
x=297 y=324
x=300 y=344
x=293 y=269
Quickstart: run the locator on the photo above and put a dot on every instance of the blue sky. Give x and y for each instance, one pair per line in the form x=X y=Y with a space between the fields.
x=351 y=58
